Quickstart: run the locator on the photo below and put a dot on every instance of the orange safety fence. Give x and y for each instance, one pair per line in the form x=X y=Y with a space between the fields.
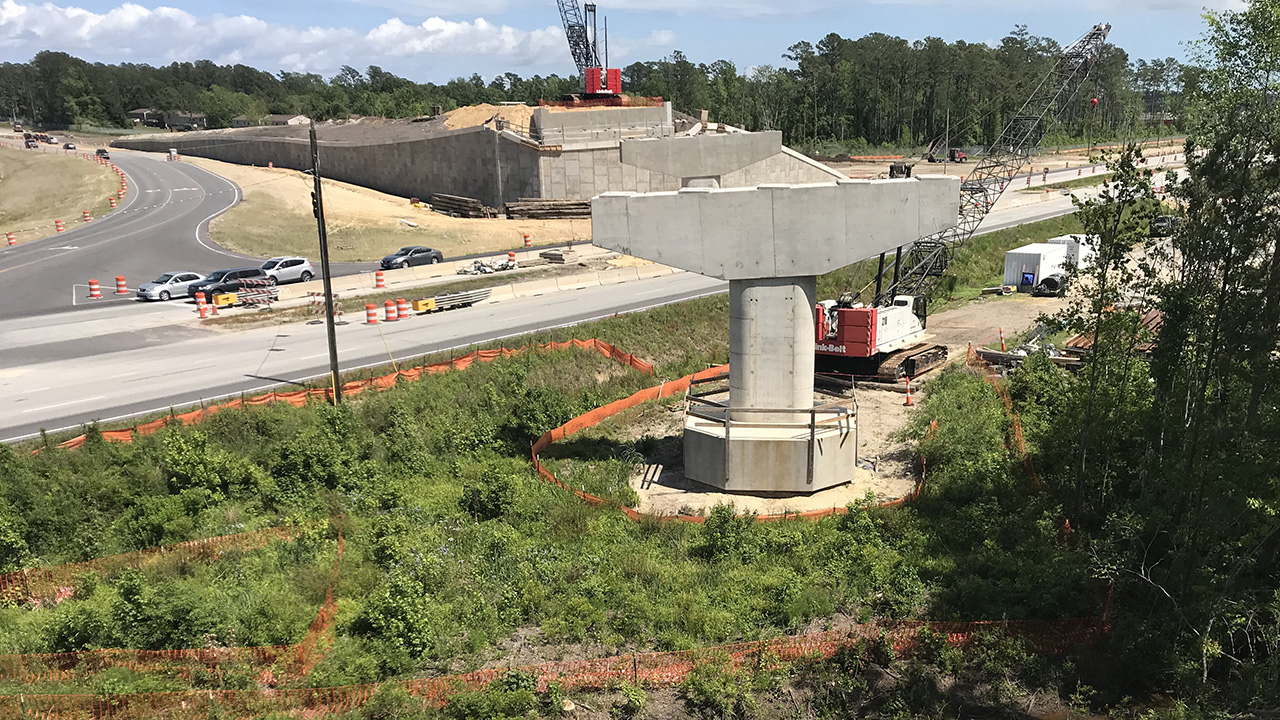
x=298 y=398
x=56 y=581
x=271 y=664
x=657 y=392
x=643 y=669
x=1017 y=442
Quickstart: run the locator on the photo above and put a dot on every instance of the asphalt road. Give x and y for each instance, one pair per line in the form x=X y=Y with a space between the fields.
x=162 y=225
x=66 y=393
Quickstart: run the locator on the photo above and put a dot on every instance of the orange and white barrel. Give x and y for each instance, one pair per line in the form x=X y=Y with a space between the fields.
x=95 y=291
x=370 y=314
x=389 y=311
x=402 y=308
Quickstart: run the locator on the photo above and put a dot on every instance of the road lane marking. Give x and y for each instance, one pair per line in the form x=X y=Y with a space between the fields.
x=69 y=402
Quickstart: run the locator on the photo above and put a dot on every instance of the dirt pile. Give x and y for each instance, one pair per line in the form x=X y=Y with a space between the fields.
x=474 y=115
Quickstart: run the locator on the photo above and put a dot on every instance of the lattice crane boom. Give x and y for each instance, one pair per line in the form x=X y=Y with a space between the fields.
x=916 y=271
x=582 y=45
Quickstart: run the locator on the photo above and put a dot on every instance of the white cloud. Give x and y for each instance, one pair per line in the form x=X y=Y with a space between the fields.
x=623 y=50
x=755 y=8
x=131 y=32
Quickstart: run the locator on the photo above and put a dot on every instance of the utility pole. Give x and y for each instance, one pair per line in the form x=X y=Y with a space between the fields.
x=317 y=208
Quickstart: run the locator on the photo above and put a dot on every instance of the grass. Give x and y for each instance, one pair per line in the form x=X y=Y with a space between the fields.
x=275 y=218
x=37 y=188
x=453 y=545
x=1086 y=181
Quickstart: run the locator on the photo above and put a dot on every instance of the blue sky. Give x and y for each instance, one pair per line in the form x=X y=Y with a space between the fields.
x=434 y=40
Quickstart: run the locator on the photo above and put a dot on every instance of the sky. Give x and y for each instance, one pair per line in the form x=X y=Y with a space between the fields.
x=435 y=40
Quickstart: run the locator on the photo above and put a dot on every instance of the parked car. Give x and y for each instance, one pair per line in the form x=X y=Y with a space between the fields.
x=168 y=285
x=224 y=281
x=102 y=153
x=1165 y=225
x=411 y=255
x=289 y=269
x=69 y=146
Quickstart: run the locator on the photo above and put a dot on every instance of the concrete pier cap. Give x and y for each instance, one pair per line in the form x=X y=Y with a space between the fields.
x=771 y=242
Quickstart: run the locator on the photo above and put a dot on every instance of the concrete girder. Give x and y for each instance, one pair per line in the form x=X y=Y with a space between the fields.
x=774 y=230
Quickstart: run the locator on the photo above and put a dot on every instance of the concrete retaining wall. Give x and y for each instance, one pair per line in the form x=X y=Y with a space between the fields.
x=462 y=162
x=588 y=172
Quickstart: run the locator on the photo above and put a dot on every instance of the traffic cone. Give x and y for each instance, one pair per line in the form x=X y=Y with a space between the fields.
x=1002 y=348
x=908 y=403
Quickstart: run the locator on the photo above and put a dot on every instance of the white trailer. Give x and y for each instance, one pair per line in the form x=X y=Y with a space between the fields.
x=1079 y=253
x=1026 y=266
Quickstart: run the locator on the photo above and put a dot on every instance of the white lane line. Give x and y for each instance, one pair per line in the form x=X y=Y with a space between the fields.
x=235 y=200
x=69 y=402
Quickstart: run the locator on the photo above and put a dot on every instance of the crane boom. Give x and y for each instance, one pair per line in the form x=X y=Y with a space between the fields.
x=581 y=44
x=916 y=271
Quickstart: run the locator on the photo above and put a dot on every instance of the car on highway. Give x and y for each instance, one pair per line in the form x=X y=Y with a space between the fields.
x=32 y=144
x=168 y=285
x=224 y=281
x=69 y=146
x=289 y=269
x=411 y=255
x=102 y=153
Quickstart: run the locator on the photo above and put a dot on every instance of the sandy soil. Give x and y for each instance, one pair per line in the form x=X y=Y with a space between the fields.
x=274 y=218
x=864 y=169
x=473 y=115
x=37 y=188
x=885 y=467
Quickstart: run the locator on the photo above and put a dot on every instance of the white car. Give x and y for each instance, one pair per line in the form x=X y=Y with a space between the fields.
x=168 y=285
x=289 y=269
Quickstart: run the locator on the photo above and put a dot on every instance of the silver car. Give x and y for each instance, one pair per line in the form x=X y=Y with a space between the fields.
x=288 y=269
x=168 y=285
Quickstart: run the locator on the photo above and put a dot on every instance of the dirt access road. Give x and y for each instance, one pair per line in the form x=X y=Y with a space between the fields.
x=887 y=466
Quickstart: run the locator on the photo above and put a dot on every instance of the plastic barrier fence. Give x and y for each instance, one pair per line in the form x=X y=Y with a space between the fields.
x=297 y=398
x=38 y=583
x=657 y=392
x=645 y=669
x=269 y=665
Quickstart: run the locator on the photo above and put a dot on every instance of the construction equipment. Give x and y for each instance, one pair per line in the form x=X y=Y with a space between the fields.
x=866 y=339
x=955 y=155
x=882 y=342
x=598 y=80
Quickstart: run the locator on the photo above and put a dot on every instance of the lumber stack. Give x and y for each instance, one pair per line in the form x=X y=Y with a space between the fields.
x=557 y=256
x=543 y=209
x=459 y=206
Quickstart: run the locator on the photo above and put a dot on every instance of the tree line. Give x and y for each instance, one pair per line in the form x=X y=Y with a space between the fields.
x=841 y=94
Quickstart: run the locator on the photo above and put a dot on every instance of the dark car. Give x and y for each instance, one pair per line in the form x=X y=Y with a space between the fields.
x=224 y=281
x=411 y=255
x=1165 y=225
x=102 y=153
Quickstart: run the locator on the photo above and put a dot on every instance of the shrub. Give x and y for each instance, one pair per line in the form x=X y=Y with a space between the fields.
x=488 y=498
x=715 y=691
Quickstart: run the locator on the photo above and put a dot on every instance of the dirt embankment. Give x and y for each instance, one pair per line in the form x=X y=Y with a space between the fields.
x=274 y=218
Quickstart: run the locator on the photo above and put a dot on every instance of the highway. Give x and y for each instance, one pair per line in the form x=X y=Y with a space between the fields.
x=110 y=362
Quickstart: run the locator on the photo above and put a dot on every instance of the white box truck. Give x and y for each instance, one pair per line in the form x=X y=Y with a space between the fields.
x=1026 y=266
x=1078 y=252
